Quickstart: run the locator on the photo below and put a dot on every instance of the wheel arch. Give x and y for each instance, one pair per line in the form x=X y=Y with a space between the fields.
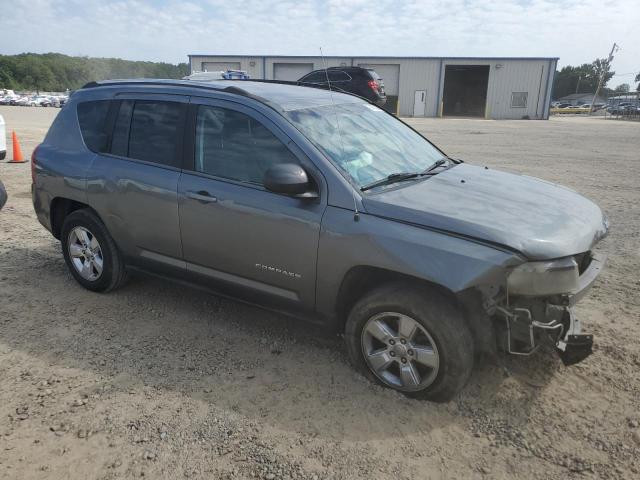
x=60 y=208
x=361 y=279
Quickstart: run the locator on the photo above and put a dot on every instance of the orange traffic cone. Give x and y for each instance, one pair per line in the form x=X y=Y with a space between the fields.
x=17 y=152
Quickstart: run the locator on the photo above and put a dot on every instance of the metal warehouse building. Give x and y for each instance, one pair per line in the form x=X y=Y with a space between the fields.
x=496 y=88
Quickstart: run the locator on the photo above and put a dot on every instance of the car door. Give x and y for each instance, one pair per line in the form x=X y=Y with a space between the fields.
x=235 y=232
x=133 y=183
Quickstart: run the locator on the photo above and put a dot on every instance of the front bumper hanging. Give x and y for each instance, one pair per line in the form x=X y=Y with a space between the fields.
x=561 y=327
x=530 y=321
x=575 y=348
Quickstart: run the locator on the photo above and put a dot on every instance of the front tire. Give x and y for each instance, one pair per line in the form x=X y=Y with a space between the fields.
x=411 y=339
x=90 y=253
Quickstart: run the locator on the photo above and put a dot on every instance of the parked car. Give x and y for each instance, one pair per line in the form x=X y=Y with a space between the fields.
x=28 y=101
x=50 y=101
x=363 y=82
x=323 y=206
x=20 y=101
x=618 y=108
x=35 y=101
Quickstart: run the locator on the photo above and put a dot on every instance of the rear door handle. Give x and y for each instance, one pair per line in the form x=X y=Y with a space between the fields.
x=202 y=196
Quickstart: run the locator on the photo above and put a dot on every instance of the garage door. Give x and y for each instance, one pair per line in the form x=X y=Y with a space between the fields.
x=291 y=71
x=217 y=66
x=390 y=76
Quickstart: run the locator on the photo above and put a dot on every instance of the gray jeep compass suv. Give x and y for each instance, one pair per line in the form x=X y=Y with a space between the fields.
x=325 y=207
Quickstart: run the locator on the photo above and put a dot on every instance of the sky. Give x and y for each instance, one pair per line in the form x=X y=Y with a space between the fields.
x=577 y=31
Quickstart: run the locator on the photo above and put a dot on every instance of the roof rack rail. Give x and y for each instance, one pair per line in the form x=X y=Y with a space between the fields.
x=176 y=82
x=235 y=90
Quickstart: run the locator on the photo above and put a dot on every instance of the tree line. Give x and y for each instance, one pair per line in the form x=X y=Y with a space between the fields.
x=584 y=79
x=56 y=72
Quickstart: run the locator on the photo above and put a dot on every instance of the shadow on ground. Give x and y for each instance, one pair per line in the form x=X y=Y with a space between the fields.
x=276 y=370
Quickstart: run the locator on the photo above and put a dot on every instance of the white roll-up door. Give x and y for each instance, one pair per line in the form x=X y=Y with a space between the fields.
x=291 y=71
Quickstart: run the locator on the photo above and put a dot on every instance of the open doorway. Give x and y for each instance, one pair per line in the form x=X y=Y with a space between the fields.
x=465 y=90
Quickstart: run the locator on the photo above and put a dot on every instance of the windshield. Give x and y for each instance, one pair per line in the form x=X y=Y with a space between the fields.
x=370 y=146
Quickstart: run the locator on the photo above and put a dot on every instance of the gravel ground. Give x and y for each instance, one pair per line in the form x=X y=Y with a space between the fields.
x=162 y=381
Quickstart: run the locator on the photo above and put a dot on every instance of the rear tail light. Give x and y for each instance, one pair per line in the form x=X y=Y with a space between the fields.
x=374 y=85
x=33 y=164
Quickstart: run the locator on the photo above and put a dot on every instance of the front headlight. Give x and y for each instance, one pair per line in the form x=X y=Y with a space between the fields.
x=544 y=278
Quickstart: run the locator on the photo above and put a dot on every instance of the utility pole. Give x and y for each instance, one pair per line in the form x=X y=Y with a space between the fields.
x=578 y=84
x=604 y=71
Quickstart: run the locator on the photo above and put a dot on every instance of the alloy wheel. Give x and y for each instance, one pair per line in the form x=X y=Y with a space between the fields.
x=85 y=253
x=400 y=351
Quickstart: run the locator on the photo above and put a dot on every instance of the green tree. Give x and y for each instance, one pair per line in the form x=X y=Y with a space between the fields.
x=622 y=88
x=57 y=72
x=581 y=79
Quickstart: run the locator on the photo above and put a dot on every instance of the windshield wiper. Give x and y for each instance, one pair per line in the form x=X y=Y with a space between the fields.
x=400 y=177
x=436 y=164
x=393 y=178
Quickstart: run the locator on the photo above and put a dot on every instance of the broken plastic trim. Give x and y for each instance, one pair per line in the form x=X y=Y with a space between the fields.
x=575 y=348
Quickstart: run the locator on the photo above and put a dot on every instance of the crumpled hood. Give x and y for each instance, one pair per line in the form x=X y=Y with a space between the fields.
x=541 y=220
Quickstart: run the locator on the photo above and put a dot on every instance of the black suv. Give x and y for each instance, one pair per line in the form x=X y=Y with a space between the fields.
x=364 y=82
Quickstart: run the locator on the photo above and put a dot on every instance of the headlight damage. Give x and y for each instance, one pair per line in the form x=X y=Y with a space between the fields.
x=544 y=278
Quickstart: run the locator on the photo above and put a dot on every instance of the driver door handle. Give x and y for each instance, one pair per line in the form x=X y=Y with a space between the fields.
x=202 y=196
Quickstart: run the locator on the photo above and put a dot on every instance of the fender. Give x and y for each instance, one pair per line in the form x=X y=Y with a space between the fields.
x=457 y=264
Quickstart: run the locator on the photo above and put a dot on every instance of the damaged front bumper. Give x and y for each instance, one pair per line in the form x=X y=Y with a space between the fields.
x=531 y=321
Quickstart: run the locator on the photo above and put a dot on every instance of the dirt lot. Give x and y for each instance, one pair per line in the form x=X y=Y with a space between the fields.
x=161 y=381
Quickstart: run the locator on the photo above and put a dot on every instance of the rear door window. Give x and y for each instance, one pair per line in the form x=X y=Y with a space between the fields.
x=92 y=117
x=149 y=130
x=155 y=127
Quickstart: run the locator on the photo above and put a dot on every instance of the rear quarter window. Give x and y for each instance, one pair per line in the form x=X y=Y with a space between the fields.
x=339 y=76
x=315 y=77
x=92 y=117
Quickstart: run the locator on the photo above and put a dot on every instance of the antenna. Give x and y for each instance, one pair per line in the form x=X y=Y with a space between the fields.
x=356 y=214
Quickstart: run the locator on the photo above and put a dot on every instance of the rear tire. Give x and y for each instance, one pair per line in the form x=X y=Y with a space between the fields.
x=90 y=253
x=415 y=337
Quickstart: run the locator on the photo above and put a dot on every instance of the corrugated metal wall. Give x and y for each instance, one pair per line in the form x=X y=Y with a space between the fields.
x=252 y=65
x=506 y=76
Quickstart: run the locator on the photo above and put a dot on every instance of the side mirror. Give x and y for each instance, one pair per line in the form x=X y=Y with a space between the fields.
x=289 y=179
